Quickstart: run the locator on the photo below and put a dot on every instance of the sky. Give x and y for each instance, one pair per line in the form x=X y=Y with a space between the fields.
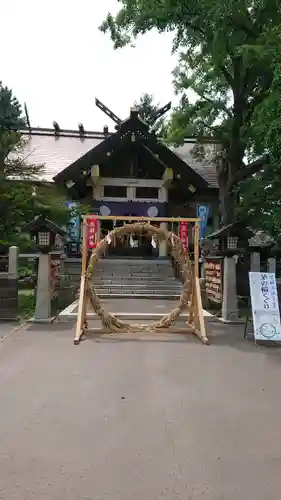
x=57 y=61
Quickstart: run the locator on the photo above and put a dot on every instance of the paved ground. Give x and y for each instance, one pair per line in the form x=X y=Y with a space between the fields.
x=7 y=328
x=165 y=419
x=143 y=305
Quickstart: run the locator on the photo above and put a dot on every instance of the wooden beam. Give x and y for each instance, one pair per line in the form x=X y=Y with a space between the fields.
x=168 y=177
x=95 y=174
x=155 y=156
x=143 y=219
x=161 y=111
x=107 y=111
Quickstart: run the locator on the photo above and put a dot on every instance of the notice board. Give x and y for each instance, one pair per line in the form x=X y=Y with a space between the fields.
x=213 y=274
x=265 y=306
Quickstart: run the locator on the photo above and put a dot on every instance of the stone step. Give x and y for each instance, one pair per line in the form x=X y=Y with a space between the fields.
x=137 y=291
x=115 y=295
x=120 y=289
x=139 y=277
x=122 y=278
x=131 y=286
x=128 y=270
x=132 y=262
x=136 y=268
x=133 y=279
x=132 y=266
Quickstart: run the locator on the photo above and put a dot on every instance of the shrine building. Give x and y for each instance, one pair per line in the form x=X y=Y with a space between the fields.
x=128 y=172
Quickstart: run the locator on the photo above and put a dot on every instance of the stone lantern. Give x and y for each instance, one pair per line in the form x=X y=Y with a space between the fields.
x=223 y=249
x=44 y=234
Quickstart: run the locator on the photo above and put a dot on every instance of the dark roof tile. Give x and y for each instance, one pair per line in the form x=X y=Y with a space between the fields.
x=205 y=168
x=56 y=152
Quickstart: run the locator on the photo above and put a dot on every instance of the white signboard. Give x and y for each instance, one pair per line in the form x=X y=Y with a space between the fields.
x=265 y=307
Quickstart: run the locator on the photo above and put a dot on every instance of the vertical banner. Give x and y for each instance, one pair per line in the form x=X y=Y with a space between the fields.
x=73 y=229
x=202 y=212
x=183 y=233
x=92 y=232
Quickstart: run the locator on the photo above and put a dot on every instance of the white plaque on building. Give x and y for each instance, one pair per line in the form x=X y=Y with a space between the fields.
x=265 y=307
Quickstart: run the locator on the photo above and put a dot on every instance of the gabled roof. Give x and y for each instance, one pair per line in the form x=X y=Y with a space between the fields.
x=123 y=137
x=232 y=229
x=257 y=238
x=59 y=151
x=42 y=222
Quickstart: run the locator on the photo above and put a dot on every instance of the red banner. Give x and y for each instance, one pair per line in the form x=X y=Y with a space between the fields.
x=92 y=232
x=183 y=233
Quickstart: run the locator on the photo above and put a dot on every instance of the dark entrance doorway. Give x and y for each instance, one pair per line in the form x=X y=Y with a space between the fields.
x=134 y=246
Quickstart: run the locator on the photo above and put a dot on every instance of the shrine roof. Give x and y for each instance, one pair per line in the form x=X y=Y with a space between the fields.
x=64 y=153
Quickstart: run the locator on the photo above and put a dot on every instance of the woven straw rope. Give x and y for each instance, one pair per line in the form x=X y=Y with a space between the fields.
x=110 y=321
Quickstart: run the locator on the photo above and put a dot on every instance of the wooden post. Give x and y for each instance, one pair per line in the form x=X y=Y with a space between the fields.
x=199 y=322
x=82 y=304
x=196 y=250
x=197 y=312
x=84 y=247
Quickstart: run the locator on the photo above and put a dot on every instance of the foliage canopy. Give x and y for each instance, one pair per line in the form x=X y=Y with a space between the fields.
x=227 y=56
x=20 y=200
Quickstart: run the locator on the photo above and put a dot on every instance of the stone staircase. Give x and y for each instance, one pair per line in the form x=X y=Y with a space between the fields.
x=118 y=278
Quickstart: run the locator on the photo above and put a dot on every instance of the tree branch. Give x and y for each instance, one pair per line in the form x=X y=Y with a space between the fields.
x=247 y=171
x=258 y=99
x=227 y=75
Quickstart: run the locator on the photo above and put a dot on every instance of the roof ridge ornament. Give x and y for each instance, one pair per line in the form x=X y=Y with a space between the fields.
x=107 y=111
x=56 y=128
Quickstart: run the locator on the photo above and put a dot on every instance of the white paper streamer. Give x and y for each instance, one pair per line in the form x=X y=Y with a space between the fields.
x=153 y=242
x=108 y=239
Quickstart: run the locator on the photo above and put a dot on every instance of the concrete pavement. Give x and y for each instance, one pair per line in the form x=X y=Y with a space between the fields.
x=165 y=419
x=8 y=328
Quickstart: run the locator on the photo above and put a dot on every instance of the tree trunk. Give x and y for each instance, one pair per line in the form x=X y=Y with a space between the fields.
x=2 y=165
x=227 y=204
x=227 y=172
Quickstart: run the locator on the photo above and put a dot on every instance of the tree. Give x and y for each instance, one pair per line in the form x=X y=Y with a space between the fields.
x=226 y=59
x=261 y=193
x=147 y=111
x=19 y=201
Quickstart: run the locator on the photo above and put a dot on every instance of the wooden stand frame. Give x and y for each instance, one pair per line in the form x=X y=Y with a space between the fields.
x=195 y=323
